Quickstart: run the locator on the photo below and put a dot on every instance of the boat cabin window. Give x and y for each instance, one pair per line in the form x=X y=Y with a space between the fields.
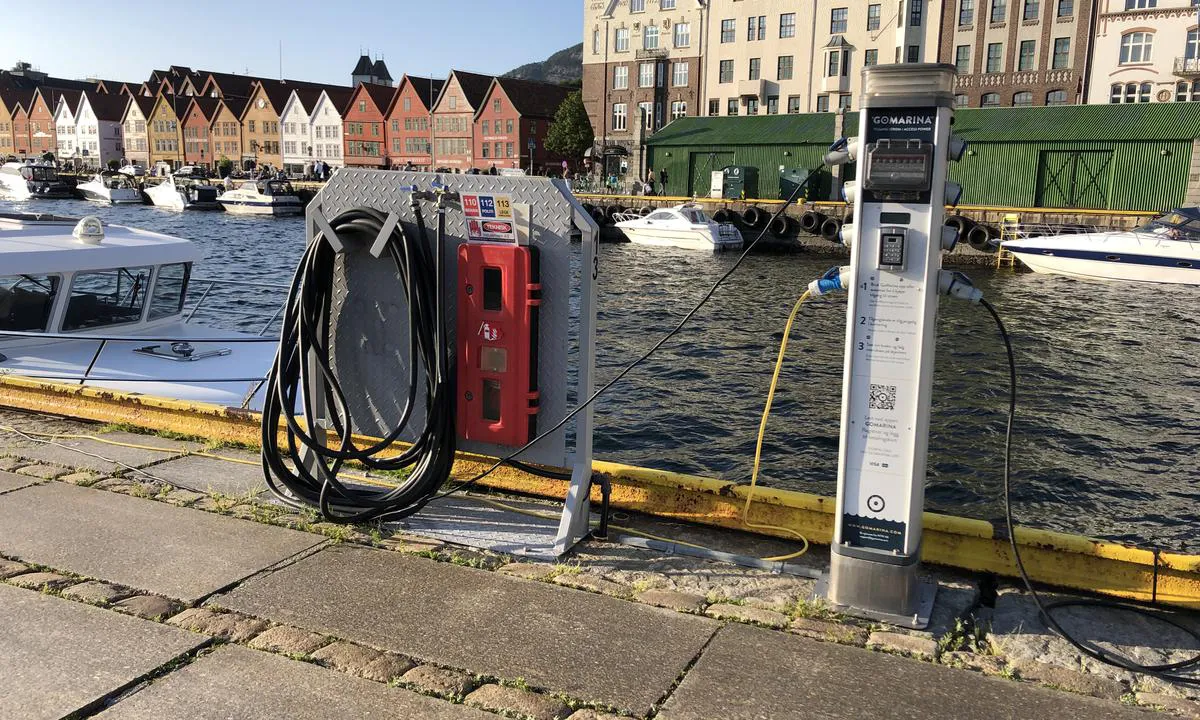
x=107 y=297
x=170 y=289
x=39 y=173
x=26 y=302
x=694 y=216
x=662 y=215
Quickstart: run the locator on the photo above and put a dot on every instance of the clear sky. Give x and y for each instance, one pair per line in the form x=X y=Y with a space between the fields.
x=322 y=39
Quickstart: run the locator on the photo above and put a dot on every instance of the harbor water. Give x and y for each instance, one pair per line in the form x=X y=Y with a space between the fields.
x=1108 y=427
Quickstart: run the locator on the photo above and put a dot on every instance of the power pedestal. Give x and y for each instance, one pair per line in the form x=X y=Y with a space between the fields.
x=896 y=243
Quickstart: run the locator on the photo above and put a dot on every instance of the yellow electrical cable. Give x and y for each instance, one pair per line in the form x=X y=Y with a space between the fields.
x=762 y=431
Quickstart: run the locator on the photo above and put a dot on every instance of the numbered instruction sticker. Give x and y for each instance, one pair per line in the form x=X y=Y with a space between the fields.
x=489 y=218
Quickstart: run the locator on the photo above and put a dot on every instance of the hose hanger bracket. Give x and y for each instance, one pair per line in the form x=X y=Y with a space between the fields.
x=385 y=233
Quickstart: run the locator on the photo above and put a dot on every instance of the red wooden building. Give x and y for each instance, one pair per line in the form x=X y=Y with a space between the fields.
x=363 y=134
x=43 y=137
x=512 y=122
x=408 y=132
x=197 y=121
x=453 y=118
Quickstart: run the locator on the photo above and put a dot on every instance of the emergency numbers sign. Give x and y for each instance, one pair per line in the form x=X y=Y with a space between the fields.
x=489 y=218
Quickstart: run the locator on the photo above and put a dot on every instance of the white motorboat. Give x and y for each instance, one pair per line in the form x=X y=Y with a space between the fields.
x=683 y=226
x=134 y=169
x=180 y=193
x=1165 y=249
x=114 y=188
x=106 y=306
x=31 y=180
x=262 y=197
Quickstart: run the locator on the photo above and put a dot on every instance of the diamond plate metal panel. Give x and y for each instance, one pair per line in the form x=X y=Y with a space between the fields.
x=369 y=315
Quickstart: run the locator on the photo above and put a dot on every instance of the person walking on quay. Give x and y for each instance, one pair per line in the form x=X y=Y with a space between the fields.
x=649 y=181
x=662 y=181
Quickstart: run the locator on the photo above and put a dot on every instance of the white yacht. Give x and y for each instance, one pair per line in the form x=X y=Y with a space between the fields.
x=106 y=306
x=31 y=180
x=1165 y=249
x=184 y=193
x=683 y=226
x=114 y=188
x=262 y=197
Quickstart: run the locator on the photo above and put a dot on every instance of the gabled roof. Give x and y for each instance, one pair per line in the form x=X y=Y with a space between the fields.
x=474 y=86
x=363 y=67
x=236 y=105
x=16 y=98
x=427 y=90
x=307 y=98
x=530 y=98
x=340 y=97
x=277 y=93
x=380 y=71
x=110 y=108
x=229 y=85
x=48 y=95
x=207 y=105
x=381 y=95
x=177 y=103
x=113 y=87
x=71 y=98
x=144 y=103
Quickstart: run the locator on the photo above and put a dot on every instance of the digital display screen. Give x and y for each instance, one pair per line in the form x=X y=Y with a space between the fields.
x=895 y=218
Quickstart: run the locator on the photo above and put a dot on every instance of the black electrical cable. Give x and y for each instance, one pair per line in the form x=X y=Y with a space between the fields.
x=1165 y=671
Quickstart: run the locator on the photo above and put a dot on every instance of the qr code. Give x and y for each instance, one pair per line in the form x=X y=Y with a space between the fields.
x=883 y=397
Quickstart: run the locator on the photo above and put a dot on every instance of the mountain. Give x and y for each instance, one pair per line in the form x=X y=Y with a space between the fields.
x=564 y=67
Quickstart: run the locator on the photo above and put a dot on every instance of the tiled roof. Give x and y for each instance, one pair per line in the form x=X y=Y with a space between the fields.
x=363 y=67
x=72 y=97
x=16 y=96
x=208 y=106
x=144 y=103
x=340 y=97
x=534 y=99
x=236 y=105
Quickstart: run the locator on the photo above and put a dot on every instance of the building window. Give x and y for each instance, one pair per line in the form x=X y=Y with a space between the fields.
x=678 y=110
x=755 y=68
x=783 y=71
x=914 y=12
x=960 y=101
x=793 y=105
x=995 y=57
x=728 y=30
x=753 y=27
x=1031 y=9
x=844 y=101
x=660 y=70
x=1189 y=50
x=508 y=126
x=666 y=5
x=873 y=17
x=914 y=53
x=1062 y=54
x=496 y=105
x=362 y=106
x=1066 y=8
x=822 y=103
x=752 y=106
x=595 y=43
x=679 y=74
x=622 y=41
x=1136 y=46
x=726 y=72
x=454 y=98
x=837 y=20
x=646 y=113
x=620 y=114
x=990 y=100
x=966 y=12
x=731 y=107
x=646 y=74
x=772 y=104
x=683 y=34
x=1144 y=93
x=999 y=10
x=621 y=77
x=1140 y=4
x=650 y=38
x=636 y=6
x=833 y=64
x=1181 y=92
x=1056 y=97
x=787 y=25
x=1025 y=57
x=487 y=125
x=1022 y=99
x=962 y=59
x=870 y=57
x=714 y=107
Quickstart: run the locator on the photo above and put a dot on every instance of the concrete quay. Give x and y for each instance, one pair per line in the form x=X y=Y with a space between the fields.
x=146 y=577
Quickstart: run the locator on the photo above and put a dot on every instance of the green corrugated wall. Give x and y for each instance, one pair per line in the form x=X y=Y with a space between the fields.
x=767 y=158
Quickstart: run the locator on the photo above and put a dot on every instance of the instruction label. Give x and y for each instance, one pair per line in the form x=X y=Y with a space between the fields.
x=489 y=218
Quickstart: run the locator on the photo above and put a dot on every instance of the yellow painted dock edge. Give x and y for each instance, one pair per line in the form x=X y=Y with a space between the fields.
x=976 y=545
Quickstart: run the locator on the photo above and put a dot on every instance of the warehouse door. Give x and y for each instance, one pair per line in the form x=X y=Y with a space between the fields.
x=1074 y=179
x=702 y=165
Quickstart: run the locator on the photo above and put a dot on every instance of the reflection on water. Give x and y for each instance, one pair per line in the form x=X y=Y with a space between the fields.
x=1108 y=427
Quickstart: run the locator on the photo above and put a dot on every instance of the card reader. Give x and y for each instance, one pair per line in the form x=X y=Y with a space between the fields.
x=891 y=248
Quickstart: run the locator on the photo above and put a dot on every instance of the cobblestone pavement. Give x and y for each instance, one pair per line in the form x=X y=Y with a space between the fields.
x=190 y=594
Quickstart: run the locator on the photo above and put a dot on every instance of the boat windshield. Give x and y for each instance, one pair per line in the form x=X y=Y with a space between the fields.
x=39 y=173
x=275 y=187
x=1176 y=225
x=26 y=302
x=696 y=216
x=106 y=297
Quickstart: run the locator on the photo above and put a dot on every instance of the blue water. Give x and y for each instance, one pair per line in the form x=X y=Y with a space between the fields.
x=1108 y=426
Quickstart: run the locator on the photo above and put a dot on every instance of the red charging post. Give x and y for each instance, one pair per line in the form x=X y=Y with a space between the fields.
x=499 y=292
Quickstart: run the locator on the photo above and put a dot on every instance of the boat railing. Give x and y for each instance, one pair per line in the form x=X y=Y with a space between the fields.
x=250 y=317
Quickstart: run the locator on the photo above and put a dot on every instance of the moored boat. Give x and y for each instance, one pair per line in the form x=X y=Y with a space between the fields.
x=262 y=197
x=32 y=180
x=184 y=193
x=113 y=188
x=684 y=226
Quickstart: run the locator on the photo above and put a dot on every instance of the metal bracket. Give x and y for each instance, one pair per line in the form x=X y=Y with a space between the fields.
x=385 y=232
x=927 y=593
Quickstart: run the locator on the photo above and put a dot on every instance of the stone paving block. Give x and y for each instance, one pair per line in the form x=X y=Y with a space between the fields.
x=235 y=682
x=288 y=640
x=44 y=472
x=412 y=543
x=829 y=631
x=58 y=657
x=1073 y=680
x=589 y=714
x=529 y=571
x=96 y=592
x=227 y=626
x=435 y=612
x=116 y=458
x=518 y=702
x=42 y=581
x=84 y=478
x=1170 y=703
x=990 y=664
x=591 y=583
x=181 y=497
x=12 y=481
x=440 y=681
x=912 y=645
x=387 y=667
x=148 y=607
x=143 y=544
x=9 y=568
x=216 y=476
x=346 y=656
x=744 y=613
x=10 y=463
x=673 y=600
x=749 y=673
x=114 y=484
